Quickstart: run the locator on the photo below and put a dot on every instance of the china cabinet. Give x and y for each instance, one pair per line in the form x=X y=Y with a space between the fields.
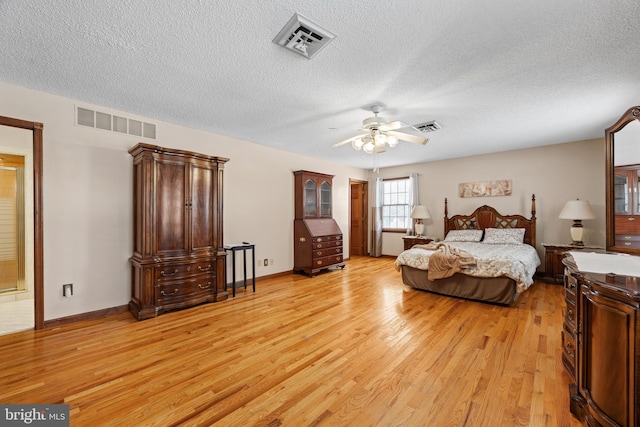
x=622 y=183
x=627 y=206
x=178 y=256
x=318 y=242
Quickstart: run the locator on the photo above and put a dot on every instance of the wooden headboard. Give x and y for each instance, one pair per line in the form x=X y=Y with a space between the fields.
x=487 y=217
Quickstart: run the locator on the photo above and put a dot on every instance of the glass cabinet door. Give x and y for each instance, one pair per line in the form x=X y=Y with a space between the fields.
x=621 y=193
x=310 y=198
x=325 y=199
x=635 y=191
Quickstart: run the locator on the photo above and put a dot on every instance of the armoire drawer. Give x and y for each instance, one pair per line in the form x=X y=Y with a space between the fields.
x=171 y=272
x=167 y=293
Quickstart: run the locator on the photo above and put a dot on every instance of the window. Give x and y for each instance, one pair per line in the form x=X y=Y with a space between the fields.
x=395 y=204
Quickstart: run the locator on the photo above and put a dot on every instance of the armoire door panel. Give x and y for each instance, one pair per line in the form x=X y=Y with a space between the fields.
x=202 y=212
x=171 y=207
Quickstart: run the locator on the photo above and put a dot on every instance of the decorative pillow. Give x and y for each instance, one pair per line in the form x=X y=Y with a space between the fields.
x=504 y=236
x=463 y=236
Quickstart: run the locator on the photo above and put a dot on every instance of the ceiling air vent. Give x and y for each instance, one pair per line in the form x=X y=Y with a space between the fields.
x=427 y=126
x=303 y=36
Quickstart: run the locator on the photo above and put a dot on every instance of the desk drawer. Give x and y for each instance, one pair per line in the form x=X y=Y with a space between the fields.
x=327 y=261
x=326 y=244
x=319 y=253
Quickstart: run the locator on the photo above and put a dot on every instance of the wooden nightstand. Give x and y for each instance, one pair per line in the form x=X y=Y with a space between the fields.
x=409 y=241
x=553 y=255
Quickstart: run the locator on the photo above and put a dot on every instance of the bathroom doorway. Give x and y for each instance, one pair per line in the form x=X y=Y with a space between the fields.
x=21 y=305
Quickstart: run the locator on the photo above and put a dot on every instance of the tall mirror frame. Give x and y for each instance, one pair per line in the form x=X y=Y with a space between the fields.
x=631 y=116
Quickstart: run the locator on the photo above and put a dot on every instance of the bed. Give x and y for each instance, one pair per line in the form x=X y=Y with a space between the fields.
x=485 y=256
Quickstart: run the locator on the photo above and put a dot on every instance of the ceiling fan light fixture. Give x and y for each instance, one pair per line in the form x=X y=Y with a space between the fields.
x=369 y=147
x=392 y=141
x=357 y=144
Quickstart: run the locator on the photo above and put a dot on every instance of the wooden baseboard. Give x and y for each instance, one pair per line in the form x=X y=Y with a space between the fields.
x=123 y=308
x=85 y=316
x=272 y=276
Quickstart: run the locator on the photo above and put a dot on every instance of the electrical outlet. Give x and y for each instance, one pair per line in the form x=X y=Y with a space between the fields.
x=67 y=290
x=266 y=262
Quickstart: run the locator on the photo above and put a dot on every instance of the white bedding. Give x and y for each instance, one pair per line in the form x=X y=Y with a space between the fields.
x=518 y=262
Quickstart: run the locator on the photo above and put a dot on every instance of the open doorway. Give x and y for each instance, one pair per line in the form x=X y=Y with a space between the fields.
x=21 y=249
x=358 y=221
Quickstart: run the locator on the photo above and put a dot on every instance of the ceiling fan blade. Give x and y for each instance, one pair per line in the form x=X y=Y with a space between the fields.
x=397 y=124
x=349 y=140
x=408 y=137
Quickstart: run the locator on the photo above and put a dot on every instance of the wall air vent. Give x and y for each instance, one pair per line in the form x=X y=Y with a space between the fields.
x=303 y=36
x=427 y=126
x=111 y=122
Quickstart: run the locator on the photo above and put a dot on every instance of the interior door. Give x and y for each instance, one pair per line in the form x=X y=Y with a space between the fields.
x=25 y=139
x=358 y=221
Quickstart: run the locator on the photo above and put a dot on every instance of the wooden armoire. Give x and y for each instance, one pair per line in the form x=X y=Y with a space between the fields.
x=317 y=237
x=178 y=253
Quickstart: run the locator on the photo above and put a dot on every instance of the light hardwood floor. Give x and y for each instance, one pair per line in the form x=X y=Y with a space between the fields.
x=346 y=348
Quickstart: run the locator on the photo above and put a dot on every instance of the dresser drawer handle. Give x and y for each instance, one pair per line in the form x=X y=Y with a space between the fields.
x=168 y=295
x=302 y=240
x=627 y=243
x=319 y=240
x=319 y=253
x=319 y=246
x=204 y=287
x=570 y=313
x=338 y=250
x=319 y=262
x=631 y=219
x=162 y=273
x=627 y=237
x=204 y=269
x=569 y=348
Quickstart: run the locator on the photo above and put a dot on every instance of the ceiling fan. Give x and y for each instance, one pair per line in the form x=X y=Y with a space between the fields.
x=379 y=133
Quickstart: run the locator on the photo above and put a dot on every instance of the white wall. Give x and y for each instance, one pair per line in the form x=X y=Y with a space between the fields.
x=87 y=193
x=554 y=173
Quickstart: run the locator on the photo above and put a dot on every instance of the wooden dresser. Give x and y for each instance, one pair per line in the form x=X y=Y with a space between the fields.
x=317 y=239
x=178 y=256
x=601 y=346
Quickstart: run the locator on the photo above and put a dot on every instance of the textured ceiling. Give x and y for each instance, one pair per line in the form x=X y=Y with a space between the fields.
x=497 y=75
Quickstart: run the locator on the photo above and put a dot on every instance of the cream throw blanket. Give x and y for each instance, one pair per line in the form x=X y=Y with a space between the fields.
x=445 y=261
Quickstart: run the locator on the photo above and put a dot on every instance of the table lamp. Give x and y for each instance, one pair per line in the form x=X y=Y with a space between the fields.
x=577 y=210
x=419 y=212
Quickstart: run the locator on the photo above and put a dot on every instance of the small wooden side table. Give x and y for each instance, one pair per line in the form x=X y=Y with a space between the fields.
x=410 y=241
x=553 y=255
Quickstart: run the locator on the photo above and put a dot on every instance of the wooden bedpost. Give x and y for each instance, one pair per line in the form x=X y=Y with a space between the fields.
x=533 y=206
x=533 y=220
x=446 y=210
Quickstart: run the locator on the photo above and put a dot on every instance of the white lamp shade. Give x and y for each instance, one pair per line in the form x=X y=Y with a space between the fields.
x=420 y=212
x=577 y=209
